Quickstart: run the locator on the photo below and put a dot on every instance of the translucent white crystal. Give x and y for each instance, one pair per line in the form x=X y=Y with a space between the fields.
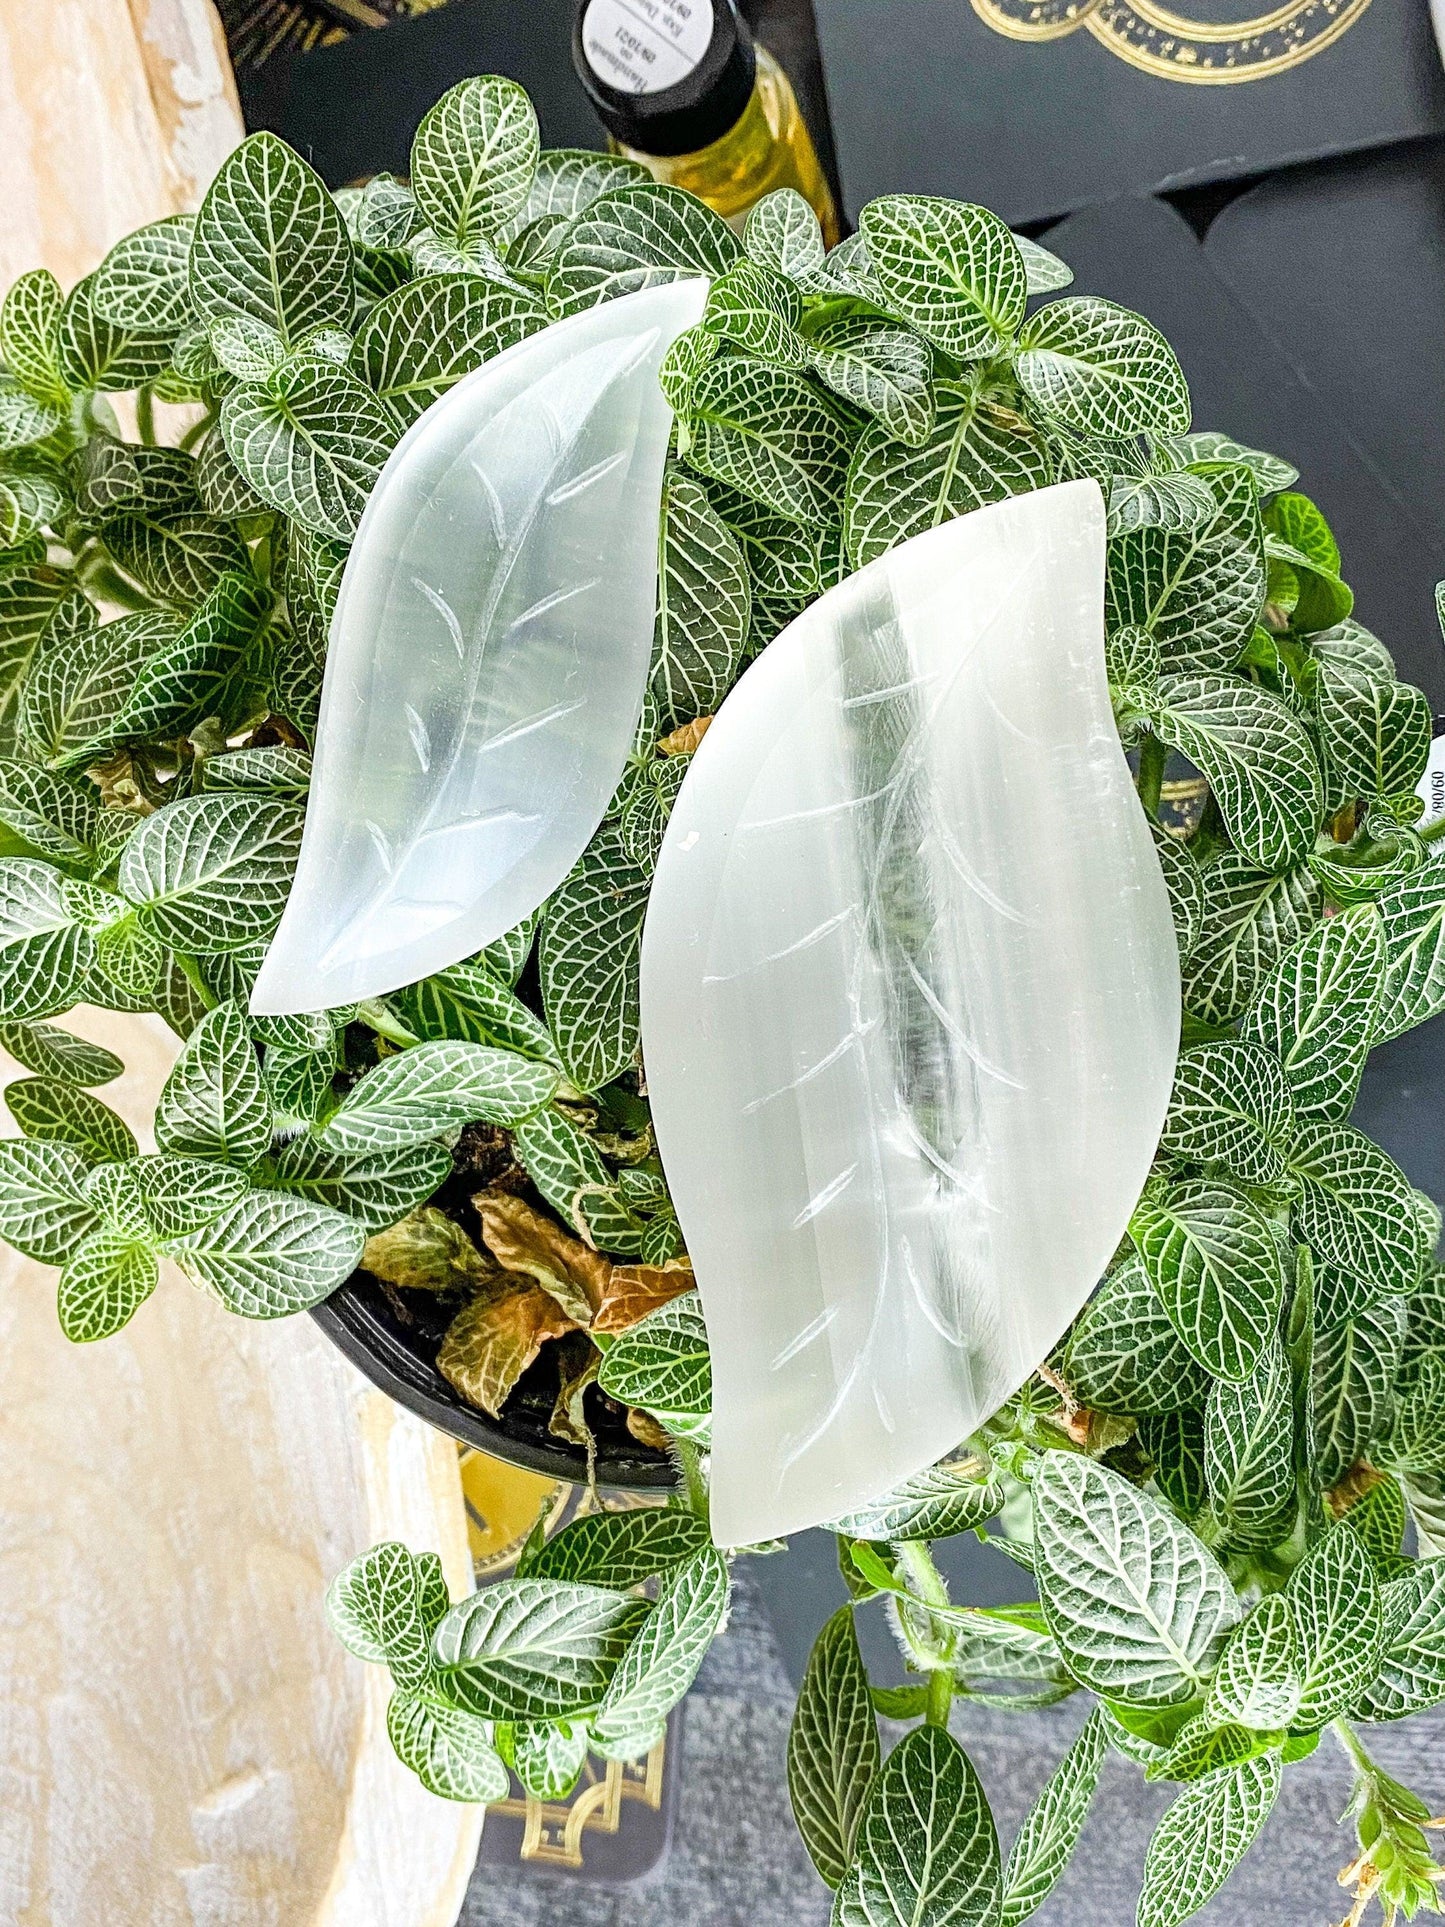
x=488 y=657
x=910 y=1007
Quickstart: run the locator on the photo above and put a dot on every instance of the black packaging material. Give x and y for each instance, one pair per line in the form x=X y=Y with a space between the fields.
x=352 y=108
x=1038 y=107
x=1143 y=254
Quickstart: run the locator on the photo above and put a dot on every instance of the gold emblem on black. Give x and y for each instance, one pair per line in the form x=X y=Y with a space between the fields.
x=1175 y=48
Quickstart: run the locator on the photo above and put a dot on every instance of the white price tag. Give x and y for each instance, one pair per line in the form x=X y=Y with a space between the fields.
x=646 y=46
x=1431 y=786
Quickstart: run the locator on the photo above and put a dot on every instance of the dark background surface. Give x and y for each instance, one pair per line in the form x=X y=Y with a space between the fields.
x=929 y=99
x=1309 y=312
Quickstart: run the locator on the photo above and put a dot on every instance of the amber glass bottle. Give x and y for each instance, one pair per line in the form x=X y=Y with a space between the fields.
x=681 y=87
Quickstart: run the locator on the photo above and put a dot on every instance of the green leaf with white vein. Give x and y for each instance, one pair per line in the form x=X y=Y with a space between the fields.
x=1315 y=1011
x=933 y=1504
x=211 y=873
x=382 y=1607
x=269 y=1254
x=569 y=179
x=414 y=345
x=783 y=233
x=1339 y=1626
x=951 y=270
x=619 y=1549
x=203 y=671
x=662 y=1362
x=45 y=815
x=1249 y=1451
x=569 y=1171
x=468 y=1001
x=976 y=453
x=94 y=353
x=1203 y=1837
x=1211 y=1255
x=45 y=954
x=1124 y=1354
x=44 y=1212
x=143 y=284
x=548 y=1759
x=587 y=958
x=1251 y=916
x=176 y=1195
x=103 y=1285
x=1375 y=733
x=52 y=1052
x=1230 y=1105
x=447 y=1750
x=662 y=1661
x=473 y=158
x=213 y=1104
x=1198 y=589
x=1412 y=1671
x=1097 y=369
x=56 y=1113
x=422 y=1092
x=1258 y=1683
x=1257 y=757
x=1352 y=1373
x=1045 y=1842
x=1413 y=916
x=29 y=331
x=311 y=441
x=269 y=242
x=535 y=1648
x=769 y=432
x=1137 y=1606
x=759 y=311
x=376 y=1188
x=927 y=1854
x=638 y=237
x=81 y=677
x=833 y=1750
x=703 y=602
x=177 y=560
x=1356 y=1206
x=885 y=371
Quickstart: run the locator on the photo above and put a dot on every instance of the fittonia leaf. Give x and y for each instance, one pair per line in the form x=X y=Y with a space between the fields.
x=489 y=651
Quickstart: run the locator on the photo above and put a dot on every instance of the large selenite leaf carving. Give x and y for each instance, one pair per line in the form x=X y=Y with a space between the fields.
x=488 y=657
x=910 y=1007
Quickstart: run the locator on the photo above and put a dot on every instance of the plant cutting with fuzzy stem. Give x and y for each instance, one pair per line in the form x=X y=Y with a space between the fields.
x=1211 y=1484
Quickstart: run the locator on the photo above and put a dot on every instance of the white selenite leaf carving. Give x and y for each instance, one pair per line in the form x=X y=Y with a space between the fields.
x=488 y=657
x=910 y=1007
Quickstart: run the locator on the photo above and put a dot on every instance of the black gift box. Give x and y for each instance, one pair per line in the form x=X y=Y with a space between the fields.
x=1038 y=107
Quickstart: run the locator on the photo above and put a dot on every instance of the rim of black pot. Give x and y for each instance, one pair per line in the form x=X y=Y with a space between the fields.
x=362 y=1322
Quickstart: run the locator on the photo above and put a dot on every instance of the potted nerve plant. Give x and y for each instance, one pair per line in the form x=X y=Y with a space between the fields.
x=1213 y=1480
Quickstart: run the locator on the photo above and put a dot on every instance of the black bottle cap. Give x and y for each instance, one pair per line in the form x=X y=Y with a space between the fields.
x=665 y=76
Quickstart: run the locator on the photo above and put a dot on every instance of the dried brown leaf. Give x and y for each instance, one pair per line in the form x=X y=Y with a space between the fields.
x=683 y=740
x=635 y=1290
x=577 y=1362
x=522 y=1239
x=646 y=1430
x=492 y=1341
x=428 y=1251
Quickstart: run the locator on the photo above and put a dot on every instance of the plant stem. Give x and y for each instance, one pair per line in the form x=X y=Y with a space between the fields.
x=927 y=1581
x=374 y=1013
x=1432 y=832
x=1152 y=757
x=689 y=1461
x=1349 y=1740
x=145 y=413
x=191 y=970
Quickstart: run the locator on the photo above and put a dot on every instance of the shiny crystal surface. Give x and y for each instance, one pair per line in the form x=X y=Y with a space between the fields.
x=488 y=657
x=910 y=1007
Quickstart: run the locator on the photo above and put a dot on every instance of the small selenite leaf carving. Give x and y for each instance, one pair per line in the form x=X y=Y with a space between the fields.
x=910 y=1007
x=488 y=657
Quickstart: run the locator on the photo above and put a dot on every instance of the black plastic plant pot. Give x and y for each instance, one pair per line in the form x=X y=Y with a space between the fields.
x=394 y=1344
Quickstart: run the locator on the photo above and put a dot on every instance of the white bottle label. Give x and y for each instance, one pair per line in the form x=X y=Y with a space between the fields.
x=645 y=46
x=1431 y=785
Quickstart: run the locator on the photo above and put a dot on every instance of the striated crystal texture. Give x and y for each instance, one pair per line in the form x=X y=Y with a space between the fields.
x=488 y=657
x=910 y=1007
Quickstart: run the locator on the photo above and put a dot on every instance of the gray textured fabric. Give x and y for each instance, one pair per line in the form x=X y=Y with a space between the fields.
x=736 y=1860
